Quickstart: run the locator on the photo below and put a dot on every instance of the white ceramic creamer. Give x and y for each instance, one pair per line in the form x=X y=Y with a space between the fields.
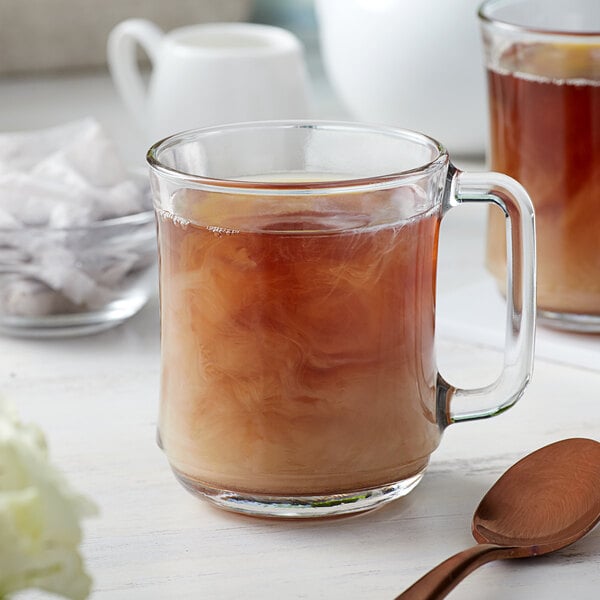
x=208 y=74
x=410 y=64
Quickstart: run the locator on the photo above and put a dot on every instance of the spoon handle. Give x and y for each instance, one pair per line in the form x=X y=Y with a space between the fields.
x=442 y=579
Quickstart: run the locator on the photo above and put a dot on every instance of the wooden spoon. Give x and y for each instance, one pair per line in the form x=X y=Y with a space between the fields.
x=546 y=501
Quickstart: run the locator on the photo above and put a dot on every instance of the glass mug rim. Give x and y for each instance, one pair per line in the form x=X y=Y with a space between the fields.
x=355 y=184
x=486 y=16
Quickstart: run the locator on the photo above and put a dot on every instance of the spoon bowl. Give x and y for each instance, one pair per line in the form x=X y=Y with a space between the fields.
x=545 y=502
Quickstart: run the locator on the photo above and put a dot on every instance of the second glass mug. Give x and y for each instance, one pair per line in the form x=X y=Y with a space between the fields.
x=543 y=69
x=297 y=289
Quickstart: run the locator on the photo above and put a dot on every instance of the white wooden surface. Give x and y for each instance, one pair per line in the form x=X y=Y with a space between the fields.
x=96 y=398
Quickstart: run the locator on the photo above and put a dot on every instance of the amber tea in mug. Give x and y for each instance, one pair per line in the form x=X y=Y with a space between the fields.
x=297 y=312
x=291 y=331
x=544 y=96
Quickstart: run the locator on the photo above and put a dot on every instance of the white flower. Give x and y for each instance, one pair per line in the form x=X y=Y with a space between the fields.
x=39 y=516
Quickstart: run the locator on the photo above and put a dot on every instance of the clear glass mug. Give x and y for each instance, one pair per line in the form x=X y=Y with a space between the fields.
x=543 y=65
x=297 y=289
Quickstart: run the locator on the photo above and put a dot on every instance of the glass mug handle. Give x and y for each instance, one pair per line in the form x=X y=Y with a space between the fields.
x=456 y=404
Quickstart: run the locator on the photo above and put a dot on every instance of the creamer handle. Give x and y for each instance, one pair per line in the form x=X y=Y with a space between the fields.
x=122 y=61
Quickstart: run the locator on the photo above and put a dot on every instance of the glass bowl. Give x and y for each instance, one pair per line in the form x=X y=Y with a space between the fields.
x=76 y=280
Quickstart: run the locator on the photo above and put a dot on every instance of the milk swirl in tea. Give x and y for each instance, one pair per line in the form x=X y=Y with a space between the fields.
x=297 y=343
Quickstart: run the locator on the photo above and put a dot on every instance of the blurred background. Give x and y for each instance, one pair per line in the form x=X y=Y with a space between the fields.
x=414 y=65
x=53 y=57
x=58 y=35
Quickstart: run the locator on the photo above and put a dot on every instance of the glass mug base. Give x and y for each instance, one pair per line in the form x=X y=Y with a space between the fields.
x=301 y=506
x=569 y=321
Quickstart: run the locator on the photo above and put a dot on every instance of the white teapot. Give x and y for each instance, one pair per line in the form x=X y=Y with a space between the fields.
x=414 y=64
x=208 y=74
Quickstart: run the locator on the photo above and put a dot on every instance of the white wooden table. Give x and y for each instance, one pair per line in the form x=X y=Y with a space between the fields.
x=96 y=398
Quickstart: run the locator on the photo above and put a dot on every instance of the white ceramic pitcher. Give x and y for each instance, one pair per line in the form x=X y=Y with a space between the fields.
x=208 y=74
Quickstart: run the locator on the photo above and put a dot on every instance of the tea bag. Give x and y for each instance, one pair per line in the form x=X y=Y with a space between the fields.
x=54 y=183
